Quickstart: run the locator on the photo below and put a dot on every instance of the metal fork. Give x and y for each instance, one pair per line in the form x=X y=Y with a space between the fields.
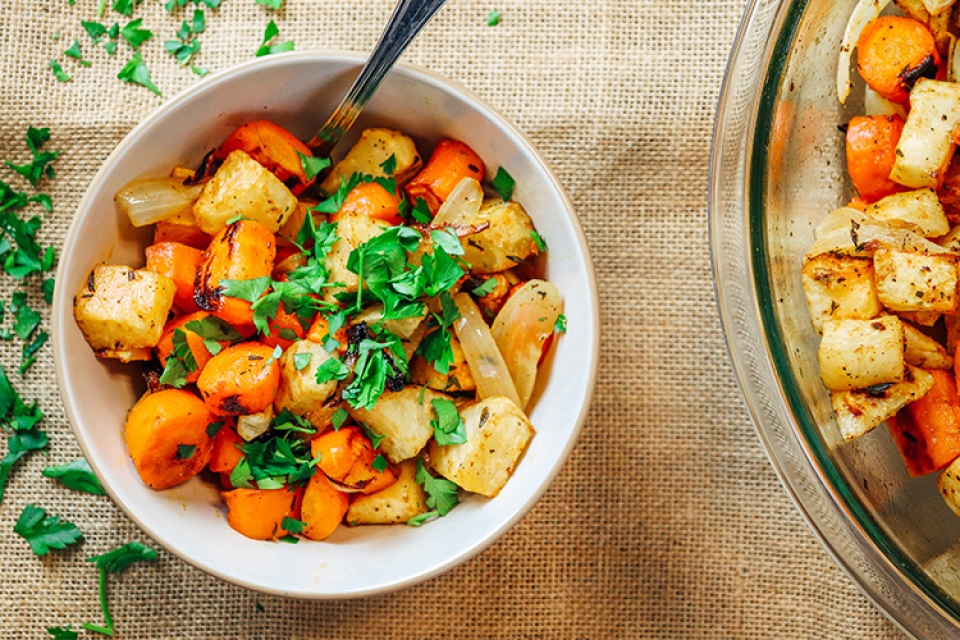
x=408 y=18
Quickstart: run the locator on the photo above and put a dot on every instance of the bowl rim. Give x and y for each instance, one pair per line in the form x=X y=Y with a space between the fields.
x=836 y=516
x=63 y=300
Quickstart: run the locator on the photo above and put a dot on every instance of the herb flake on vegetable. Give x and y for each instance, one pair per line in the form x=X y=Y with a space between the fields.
x=44 y=532
x=560 y=326
x=448 y=428
x=503 y=183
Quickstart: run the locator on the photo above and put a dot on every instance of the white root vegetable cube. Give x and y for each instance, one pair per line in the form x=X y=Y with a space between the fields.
x=243 y=187
x=861 y=410
x=497 y=433
x=926 y=144
x=922 y=318
x=948 y=482
x=920 y=350
x=352 y=231
x=299 y=391
x=855 y=354
x=839 y=287
x=908 y=281
x=920 y=208
x=367 y=156
x=402 y=419
x=951 y=240
x=121 y=311
x=399 y=502
x=507 y=241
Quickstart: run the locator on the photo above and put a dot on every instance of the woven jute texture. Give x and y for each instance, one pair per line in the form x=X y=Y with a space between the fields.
x=666 y=522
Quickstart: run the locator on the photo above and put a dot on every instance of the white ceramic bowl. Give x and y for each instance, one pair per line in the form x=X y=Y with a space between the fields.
x=298 y=90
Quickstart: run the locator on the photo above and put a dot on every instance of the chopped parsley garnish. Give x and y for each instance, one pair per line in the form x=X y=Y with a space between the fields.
x=313 y=166
x=136 y=72
x=301 y=360
x=339 y=417
x=273 y=4
x=47 y=289
x=20 y=421
x=59 y=73
x=134 y=34
x=213 y=331
x=448 y=428
x=214 y=428
x=380 y=463
x=493 y=18
x=186 y=45
x=271 y=32
x=560 y=326
x=539 y=241
x=44 y=532
x=28 y=356
x=181 y=362
x=486 y=288
x=292 y=524
x=76 y=475
x=62 y=633
x=185 y=451
x=279 y=458
x=75 y=53
x=375 y=438
x=40 y=165
x=125 y=7
x=113 y=562
x=95 y=30
x=441 y=495
x=503 y=183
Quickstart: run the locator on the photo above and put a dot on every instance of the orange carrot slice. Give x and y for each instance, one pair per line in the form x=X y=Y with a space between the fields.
x=451 y=162
x=871 y=153
x=893 y=52
x=259 y=513
x=240 y=380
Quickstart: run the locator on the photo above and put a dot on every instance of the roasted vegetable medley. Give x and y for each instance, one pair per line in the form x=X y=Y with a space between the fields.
x=359 y=348
x=881 y=278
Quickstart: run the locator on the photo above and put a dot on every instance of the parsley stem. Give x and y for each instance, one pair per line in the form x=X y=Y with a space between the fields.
x=360 y=284
x=107 y=630
x=101 y=8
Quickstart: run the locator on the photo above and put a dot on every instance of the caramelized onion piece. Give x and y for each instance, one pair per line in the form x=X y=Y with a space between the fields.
x=482 y=354
x=149 y=200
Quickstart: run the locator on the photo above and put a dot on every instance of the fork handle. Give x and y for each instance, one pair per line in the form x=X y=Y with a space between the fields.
x=409 y=17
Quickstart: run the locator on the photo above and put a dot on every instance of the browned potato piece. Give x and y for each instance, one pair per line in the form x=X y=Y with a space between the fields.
x=121 y=310
x=367 y=156
x=397 y=503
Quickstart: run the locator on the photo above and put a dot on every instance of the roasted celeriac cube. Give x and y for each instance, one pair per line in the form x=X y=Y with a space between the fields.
x=858 y=411
x=497 y=433
x=908 y=281
x=369 y=154
x=457 y=378
x=921 y=318
x=920 y=208
x=951 y=240
x=862 y=239
x=855 y=354
x=403 y=418
x=839 y=287
x=920 y=350
x=299 y=391
x=254 y=425
x=507 y=241
x=352 y=231
x=121 y=311
x=948 y=482
x=926 y=144
x=399 y=502
x=243 y=187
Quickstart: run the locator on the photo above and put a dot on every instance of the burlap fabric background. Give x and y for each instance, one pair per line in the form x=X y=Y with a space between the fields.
x=667 y=521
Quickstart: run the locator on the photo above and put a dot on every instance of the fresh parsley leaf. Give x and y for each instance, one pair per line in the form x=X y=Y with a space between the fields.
x=486 y=288
x=560 y=326
x=44 y=532
x=313 y=166
x=185 y=451
x=335 y=201
x=301 y=360
x=448 y=240
x=94 y=29
x=214 y=428
x=110 y=48
x=199 y=71
x=113 y=562
x=375 y=438
x=40 y=165
x=76 y=475
x=134 y=34
x=418 y=520
x=379 y=463
x=21 y=420
x=292 y=525
x=273 y=4
x=437 y=349
x=213 y=331
x=503 y=183
x=181 y=362
x=75 y=53
x=249 y=290
x=441 y=493
x=448 y=428
x=28 y=356
x=271 y=32
x=332 y=369
x=27 y=321
x=125 y=7
x=339 y=417
x=421 y=211
x=136 y=72
x=539 y=241
x=493 y=18
x=63 y=633
x=47 y=289
x=199 y=23
x=389 y=165
x=44 y=201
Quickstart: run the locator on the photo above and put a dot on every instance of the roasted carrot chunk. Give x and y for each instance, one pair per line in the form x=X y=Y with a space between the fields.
x=323 y=508
x=274 y=147
x=240 y=380
x=226 y=450
x=243 y=250
x=451 y=162
x=166 y=434
x=178 y=262
x=927 y=430
x=285 y=328
x=893 y=52
x=371 y=199
x=259 y=513
x=871 y=152
x=319 y=332
x=197 y=348
x=346 y=457
x=190 y=235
